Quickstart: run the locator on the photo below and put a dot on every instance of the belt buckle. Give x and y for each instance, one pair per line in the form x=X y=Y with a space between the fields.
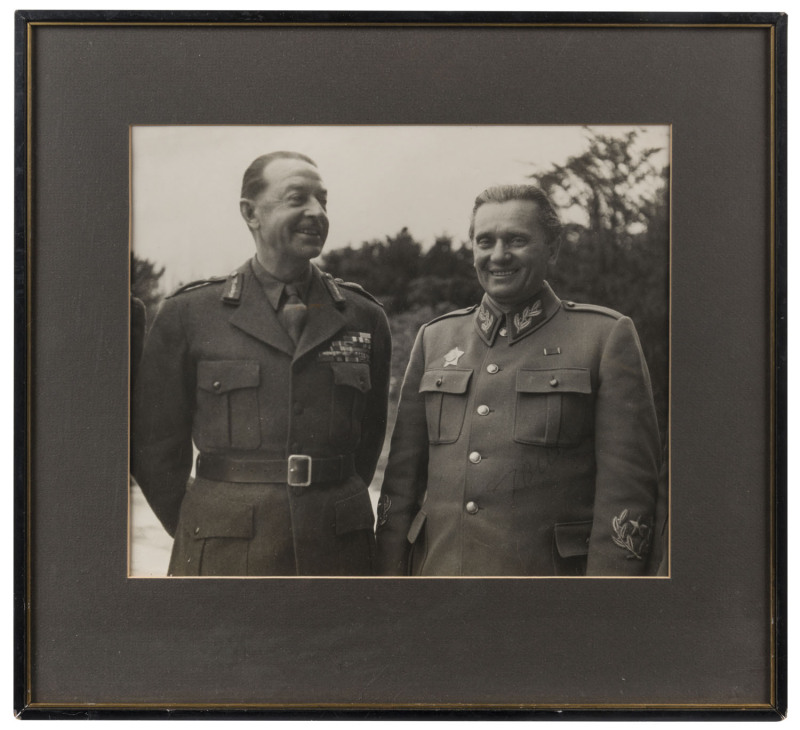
x=298 y=472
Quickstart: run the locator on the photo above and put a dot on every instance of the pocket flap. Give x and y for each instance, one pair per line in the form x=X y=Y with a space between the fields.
x=572 y=538
x=445 y=381
x=222 y=376
x=211 y=516
x=353 y=374
x=556 y=380
x=416 y=526
x=354 y=513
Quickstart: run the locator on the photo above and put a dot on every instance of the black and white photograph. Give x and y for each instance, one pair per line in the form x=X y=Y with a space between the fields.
x=402 y=351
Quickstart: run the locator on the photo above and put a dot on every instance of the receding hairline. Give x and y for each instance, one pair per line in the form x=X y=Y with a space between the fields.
x=253 y=180
x=546 y=214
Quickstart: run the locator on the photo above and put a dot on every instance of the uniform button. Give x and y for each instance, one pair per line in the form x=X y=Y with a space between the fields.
x=475 y=457
x=554 y=382
x=217 y=385
x=503 y=332
x=296 y=446
x=196 y=530
x=472 y=508
x=297 y=408
x=438 y=382
x=570 y=304
x=492 y=368
x=483 y=410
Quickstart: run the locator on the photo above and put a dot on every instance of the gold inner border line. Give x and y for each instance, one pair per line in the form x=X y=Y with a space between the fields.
x=395 y=24
x=408 y=705
x=772 y=378
x=28 y=619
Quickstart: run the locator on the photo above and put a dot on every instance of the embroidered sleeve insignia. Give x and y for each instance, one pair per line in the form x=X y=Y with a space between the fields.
x=451 y=358
x=384 y=503
x=633 y=536
x=523 y=319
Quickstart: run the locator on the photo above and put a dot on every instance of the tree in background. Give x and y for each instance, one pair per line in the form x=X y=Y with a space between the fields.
x=618 y=256
x=145 y=284
x=404 y=278
x=415 y=287
x=615 y=252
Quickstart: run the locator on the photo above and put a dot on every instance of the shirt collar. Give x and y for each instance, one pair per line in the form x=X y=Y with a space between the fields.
x=520 y=321
x=273 y=287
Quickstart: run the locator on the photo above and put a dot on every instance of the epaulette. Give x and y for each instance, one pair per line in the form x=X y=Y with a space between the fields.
x=352 y=286
x=578 y=307
x=232 y=292
x=330 y=284
x=196 y=285
x=455 y=313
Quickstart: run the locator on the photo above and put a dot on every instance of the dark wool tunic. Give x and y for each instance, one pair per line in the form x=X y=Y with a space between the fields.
x=529 y=448
x=220 y=371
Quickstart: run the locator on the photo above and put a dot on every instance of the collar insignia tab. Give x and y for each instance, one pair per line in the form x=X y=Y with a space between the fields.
x=523 y=319
x=485 y=319
x=487 y=322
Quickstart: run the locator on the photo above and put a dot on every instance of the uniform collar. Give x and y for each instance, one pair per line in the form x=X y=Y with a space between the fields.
x=245 y=294
x=274 y=287
x=520 y=322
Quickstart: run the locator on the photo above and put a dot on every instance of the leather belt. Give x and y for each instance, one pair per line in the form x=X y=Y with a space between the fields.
x=298 y=470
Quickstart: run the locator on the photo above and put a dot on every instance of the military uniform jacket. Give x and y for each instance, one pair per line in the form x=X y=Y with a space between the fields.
x=530 y=449
x=219 y=370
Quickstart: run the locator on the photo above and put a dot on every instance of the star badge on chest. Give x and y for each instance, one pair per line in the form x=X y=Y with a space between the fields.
x=451 y=358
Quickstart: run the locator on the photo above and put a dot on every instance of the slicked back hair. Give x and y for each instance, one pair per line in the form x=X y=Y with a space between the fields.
x=548 y=218
x=253 y=182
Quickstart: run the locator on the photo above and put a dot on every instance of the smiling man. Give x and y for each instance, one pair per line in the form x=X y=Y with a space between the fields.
x=278 y=374
x=526 y=440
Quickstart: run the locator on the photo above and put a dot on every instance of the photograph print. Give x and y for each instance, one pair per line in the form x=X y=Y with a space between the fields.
x=400 y=351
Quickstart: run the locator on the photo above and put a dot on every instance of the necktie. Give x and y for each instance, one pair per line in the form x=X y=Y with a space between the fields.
x=293 y=312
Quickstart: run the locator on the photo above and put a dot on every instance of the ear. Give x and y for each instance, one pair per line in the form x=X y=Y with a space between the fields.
x=248 y=210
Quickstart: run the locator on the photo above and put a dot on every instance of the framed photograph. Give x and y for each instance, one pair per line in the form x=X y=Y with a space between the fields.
x=390 y=373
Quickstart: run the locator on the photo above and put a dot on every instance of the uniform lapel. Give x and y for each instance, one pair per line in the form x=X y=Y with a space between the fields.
x=324 y=319
x=255 y=315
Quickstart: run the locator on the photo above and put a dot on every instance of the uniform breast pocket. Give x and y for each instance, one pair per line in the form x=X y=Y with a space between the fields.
x=554 y=407
x=351 y=383
x=445 y=392
x=227 y=404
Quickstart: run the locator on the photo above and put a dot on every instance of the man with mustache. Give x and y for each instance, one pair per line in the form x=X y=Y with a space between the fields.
x=526 y=440
x=279 y=375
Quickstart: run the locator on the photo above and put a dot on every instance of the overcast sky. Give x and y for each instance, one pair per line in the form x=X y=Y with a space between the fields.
x=186 y=182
